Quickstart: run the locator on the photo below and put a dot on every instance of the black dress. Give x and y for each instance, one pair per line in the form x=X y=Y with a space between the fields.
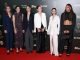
x=18 y=26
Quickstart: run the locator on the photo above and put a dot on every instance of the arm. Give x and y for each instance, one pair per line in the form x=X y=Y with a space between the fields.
x=48 y=30
x=23 y=23
x=61 y=24
x=4 y=23
x=13 y=19
x=74 y=21
x=58 y=25
x=45 y=22
x=36 y=23
x=32 y=21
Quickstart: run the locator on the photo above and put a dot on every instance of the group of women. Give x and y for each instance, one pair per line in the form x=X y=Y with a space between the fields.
x=60 y=30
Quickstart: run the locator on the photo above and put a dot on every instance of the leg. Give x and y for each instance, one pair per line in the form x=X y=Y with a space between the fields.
x=61 y=45
x=43 y=41
x=7 y=42
x=27 y=42
x=51 y=45
x=55 y=44
x=11 y=40
x=21 y=41
x=38 y=41
x=17 y=42
x=69 y=46
x=31 y=41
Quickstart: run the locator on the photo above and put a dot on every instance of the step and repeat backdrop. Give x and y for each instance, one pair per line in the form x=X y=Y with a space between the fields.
x=47 y=6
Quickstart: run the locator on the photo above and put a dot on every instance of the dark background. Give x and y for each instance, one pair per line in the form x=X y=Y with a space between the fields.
x=47 y=6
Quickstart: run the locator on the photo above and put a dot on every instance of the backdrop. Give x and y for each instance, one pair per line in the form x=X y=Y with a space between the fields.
x=47 y=6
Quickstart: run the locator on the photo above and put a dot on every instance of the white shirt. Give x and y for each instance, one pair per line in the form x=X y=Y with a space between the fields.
x=38 y=19
x=54 y=25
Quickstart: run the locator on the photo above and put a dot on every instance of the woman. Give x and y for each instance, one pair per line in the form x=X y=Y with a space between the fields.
x=53 y=31
x=8 y=28
x=40 y=26
x=17 y=21
x=68 y=21
x=28 y=26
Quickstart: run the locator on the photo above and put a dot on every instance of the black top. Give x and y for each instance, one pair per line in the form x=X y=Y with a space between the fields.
x=28 y=23
x=18 y=21
x=67 y=16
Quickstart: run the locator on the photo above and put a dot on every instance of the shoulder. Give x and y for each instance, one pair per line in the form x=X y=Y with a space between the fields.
x=14 y=14
x=74 y=14
x=4 y=14
x=32 y=14
x=57 y=16
x=35 y=14
x=43 y=13
x=62 y=14
x=50 y=17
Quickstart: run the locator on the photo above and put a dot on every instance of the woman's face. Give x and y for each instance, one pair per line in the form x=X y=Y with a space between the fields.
x=39 y=9
x=18 y=9
x=28 y=9
x=53 y=11
x=68 y=8
x=8 y=9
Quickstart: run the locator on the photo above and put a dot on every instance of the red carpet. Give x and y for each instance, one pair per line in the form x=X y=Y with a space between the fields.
x=35 y=56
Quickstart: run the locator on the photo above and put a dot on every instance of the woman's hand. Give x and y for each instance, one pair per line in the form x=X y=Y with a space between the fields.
x=66 y=31
x=15 y=31
x=43 y=30
x=39 y=30
x=23 y=31
x=5 y=31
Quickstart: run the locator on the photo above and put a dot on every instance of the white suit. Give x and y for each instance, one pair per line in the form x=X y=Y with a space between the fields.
x=40 y=19
x=53 y=31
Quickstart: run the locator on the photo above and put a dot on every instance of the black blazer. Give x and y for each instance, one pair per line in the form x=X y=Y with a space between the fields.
x=29 y=23
x=64 y=17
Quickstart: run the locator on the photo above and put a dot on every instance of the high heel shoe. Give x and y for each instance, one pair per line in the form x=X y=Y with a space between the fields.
x=8 y=52
x=17 y=51
x=21 y=49
x=67 y=54
x=11 y=49
x=60 y=55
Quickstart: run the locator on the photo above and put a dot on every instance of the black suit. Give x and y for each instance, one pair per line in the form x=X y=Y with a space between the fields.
x=29 y=23
x=28 y=26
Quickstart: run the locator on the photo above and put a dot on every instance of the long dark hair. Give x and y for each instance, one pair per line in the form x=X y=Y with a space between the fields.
x=53 y=9
x=19 y=7
x=71 y=11
x=29 y=7
x=71 y=8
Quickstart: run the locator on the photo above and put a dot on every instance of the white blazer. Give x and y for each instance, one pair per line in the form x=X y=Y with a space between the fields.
x=54 y=25
x=40 y=19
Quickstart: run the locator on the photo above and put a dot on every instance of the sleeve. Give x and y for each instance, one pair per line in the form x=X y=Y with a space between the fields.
x=61 y=23
x=45 y=21
x=58 y=25
x=35 y=25
x=4 y=22
x=74 y=21
x=48 y=30
x=32 y=21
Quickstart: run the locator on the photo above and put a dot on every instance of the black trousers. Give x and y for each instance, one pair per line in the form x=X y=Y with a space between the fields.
x=9 y=40
x=62 y=43
x=40 y=41
x=28 y=40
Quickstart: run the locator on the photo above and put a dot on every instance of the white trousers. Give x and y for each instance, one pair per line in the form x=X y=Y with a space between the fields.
x=54 y=44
